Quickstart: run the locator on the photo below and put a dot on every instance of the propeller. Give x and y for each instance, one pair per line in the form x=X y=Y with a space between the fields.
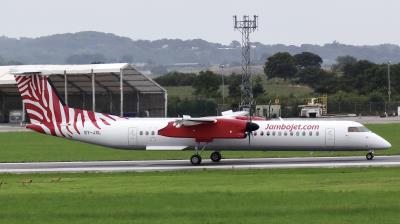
x=250 y=126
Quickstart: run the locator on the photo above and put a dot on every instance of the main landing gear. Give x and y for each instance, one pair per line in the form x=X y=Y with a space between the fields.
x=216 y=156
x=196 y=158
x=370 y=155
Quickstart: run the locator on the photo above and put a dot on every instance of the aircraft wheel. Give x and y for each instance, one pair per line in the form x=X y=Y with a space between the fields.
x=370 y=156
x=195 y=160
x=215 y=156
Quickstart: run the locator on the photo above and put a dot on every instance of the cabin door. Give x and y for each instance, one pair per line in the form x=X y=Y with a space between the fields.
x=330 y=137
x=132 y=136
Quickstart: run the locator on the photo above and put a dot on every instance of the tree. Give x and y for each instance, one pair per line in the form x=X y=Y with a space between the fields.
x=258 y=88
x=309 y=76
x=395 y=79
x=281 y=65
x=207 y=84
x=354 y=77
x=307 y=59
x=342 y=61
x=235 y=82
x=373 y=79
x=194 y=107
x=176 y=79
x=320 y=80
x=376 y=96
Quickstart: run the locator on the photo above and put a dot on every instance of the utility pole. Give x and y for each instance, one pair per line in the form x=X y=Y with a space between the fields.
x=223 y=83
x=388 y=74
x=246 y=26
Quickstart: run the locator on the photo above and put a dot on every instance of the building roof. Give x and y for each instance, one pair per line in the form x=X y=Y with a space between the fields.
x=79 y=77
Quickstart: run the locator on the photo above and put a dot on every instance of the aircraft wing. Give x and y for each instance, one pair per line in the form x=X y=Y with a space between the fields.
x=188 y=121
x=206 y=129
x=230 y=113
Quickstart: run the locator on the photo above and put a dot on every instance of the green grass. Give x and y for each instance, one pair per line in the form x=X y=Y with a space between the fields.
x=27 y=146
x=362 y=195
x=181 y=92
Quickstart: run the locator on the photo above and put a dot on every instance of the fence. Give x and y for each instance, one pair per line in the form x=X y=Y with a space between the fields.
x=363 y=108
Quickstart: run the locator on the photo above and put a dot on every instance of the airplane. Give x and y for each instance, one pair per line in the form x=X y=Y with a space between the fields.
x=232 y=130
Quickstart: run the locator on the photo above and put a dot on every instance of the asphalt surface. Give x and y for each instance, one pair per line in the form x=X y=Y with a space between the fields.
x=170 y=165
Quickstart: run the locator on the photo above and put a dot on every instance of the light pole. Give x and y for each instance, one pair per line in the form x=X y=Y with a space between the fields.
x=223 y=84
x=388 y=74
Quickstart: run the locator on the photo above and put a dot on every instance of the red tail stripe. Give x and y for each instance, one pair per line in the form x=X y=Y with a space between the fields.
x=92 y=118
x=37 y=93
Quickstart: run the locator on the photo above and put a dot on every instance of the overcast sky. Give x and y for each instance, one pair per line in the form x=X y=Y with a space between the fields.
x=281 y=21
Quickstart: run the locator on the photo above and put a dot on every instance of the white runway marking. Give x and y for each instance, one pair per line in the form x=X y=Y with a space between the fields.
x=171 y=165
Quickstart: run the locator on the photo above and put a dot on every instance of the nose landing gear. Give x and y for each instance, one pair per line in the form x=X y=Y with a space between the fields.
x=370 y=155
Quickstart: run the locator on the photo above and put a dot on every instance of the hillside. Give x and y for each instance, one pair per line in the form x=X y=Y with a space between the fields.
x=89 y=46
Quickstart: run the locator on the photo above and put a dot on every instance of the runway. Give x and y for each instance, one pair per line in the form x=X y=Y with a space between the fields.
x=173 y=165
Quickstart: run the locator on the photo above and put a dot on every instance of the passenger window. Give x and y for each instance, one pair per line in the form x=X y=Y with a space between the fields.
x=261 y=133
x=279 y=133
x=152 y=133
x=255 y=133
x=297 y=133
x=147 y=133
x=310 y=133
x=317 y=133
x=141 y=133
x=304 y=133
x=268 y=133
x=273 y=133
x=291 y=133
x=285 y=133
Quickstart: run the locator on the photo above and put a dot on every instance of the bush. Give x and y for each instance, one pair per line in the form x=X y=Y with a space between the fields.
x=194 y=108
x=176 y=79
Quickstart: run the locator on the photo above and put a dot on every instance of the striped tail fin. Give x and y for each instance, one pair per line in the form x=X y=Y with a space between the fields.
x=49 y=115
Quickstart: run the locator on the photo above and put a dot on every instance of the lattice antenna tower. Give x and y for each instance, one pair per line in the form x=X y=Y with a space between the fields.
x=246 y=26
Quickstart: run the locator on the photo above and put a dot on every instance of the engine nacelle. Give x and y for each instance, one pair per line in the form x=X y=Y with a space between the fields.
x=206 y=132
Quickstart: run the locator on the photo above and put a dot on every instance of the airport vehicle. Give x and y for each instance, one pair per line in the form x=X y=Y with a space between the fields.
x=15 y=116
x=233 y=130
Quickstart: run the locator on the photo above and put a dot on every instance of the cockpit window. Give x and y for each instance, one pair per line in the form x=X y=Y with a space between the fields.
x=358 y=129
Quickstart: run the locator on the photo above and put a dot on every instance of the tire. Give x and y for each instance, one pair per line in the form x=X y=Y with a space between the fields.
x=369 y=156
x=195 y=160
x=215 y=157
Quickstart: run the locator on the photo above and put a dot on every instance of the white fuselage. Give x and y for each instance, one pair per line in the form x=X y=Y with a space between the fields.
x=142 y=133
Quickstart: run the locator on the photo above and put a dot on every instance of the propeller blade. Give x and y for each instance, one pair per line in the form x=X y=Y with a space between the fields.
x=250 y=127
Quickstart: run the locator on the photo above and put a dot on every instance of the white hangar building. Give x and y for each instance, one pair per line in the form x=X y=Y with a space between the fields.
x=116 y=88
